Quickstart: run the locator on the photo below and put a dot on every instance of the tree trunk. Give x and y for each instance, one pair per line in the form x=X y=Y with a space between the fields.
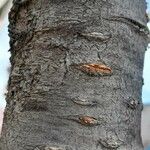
x=76 y=75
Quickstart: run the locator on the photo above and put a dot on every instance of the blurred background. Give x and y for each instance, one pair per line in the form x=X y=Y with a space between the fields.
x=5 y=64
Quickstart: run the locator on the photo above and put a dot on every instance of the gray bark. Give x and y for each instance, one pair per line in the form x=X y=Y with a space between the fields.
x=76 y=75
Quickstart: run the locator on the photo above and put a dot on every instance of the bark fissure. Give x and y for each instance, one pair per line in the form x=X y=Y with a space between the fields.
x=141 y=27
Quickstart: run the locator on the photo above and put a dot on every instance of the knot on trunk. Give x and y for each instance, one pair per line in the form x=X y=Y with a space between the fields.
x=110 y=142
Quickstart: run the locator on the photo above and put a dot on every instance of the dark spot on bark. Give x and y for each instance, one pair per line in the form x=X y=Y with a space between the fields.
x=21 y=2
x=147 y=17
x=12 y=93
x=14 y=103
x=142 y=81
x=133 y=103
x=141 y=105
x=35 y=105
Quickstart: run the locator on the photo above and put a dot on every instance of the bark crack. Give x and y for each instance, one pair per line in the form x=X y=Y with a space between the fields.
x=66 y=65
x=141 y=27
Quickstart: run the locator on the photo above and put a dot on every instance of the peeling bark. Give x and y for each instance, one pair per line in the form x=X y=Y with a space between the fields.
x=76 y=75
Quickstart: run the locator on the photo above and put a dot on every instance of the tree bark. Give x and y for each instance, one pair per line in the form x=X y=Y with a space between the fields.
x=76 y=75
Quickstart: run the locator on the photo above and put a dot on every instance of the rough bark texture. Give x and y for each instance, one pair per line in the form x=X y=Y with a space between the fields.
x=76 y=76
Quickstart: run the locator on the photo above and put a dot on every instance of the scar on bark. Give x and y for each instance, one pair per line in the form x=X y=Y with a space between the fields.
x=48 y=148
x=94 y=69
x=141 y=27
x=83 y=119
x=84 y=102
x=102 y=37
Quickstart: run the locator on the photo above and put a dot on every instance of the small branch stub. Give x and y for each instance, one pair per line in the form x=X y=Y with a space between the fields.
x=95 y=69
